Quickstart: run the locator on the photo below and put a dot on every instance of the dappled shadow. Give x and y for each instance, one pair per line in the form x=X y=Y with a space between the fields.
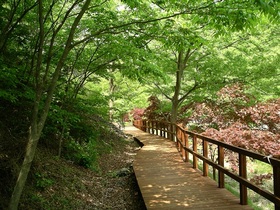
x=166 y=182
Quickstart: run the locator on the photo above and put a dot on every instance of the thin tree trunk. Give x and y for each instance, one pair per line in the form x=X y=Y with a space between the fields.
x=33 y=130
x=36 y=128
x=179 y=76
x=174 y=111
x=61 y=139
x=111 y=100
x=25 y=168
x=183 y=58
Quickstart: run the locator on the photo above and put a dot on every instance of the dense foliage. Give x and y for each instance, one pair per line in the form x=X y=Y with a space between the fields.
x=233 y=117
x=68 y=67
x=233 y=121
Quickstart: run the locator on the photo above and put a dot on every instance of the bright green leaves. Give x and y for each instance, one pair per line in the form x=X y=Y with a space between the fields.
x=213 y=61
x=254 y=61
x=141 y=40
x=270 y=8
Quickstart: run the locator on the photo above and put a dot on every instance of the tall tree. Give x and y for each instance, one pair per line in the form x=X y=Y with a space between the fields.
x=67 y=43
x=194 y=41
x=39 y=118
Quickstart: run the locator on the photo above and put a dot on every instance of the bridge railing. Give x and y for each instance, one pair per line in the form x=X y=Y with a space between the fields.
x=183 y=137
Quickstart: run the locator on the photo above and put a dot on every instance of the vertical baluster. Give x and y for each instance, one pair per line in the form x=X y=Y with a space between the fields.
x=243 y=173
x=186 y=144
x=174 y=132
x=205 y=154
x=170 y=132
x=276 y=180
x=145 y=125
x=164 y=132
x=177 y=136
x=161 y=127
x=183 y=144
x=221 y=156
x=195 y=150
x=180 y=140
x=156 y=128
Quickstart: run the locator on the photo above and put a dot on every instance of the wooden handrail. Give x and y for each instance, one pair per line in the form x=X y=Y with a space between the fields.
x=180 y=135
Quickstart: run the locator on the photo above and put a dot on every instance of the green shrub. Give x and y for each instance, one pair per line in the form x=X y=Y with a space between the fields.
x=42 y=182
x=84 y=154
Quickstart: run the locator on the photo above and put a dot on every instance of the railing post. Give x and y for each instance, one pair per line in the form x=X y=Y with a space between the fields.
x=243 y=173
x=195 y=150
x=145 y=125
x=184 y=152
x=164 y=132
x=160 y=125
x=221 y=156
x=180 y=137
x=276 y=180
x=172 y=132
x=177 y=136
x=168 y=130
x=156 y=127
x=175 y=133
x=205 y=154
x=186 y=144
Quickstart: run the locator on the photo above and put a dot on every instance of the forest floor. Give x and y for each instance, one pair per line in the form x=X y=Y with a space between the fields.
x=60 y=184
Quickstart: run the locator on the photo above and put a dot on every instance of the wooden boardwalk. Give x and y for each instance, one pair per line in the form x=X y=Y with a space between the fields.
x=166 y=182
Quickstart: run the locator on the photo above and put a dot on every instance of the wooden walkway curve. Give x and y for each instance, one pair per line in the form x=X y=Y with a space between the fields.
x=167 y=182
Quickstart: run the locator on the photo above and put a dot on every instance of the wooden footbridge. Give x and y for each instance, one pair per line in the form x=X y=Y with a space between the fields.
x=168 y=182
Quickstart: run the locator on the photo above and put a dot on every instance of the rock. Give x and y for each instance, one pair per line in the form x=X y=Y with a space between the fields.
x=123 y=172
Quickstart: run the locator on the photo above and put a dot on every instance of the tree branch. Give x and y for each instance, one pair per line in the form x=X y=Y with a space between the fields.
x=188 y=93
x=162 y=92
x=110 y=29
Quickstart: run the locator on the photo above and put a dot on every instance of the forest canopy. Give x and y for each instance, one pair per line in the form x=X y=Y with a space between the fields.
x=66 y=64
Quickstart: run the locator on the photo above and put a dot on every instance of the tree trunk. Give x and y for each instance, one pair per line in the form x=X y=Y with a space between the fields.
x=181 y=65
x=25 y=168
x=60 y=140
x=183 y=57
x=111 y=100
x=174 y=111
x=37 y=126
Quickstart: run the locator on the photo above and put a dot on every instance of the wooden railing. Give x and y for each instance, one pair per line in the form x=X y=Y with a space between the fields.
x=187 y=143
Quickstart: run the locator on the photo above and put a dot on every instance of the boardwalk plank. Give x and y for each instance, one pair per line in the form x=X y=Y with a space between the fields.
x=166 y=182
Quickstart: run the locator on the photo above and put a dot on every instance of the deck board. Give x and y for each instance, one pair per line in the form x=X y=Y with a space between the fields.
x=167 y=182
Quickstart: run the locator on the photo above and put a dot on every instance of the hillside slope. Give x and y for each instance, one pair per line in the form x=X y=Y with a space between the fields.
x=60 y=184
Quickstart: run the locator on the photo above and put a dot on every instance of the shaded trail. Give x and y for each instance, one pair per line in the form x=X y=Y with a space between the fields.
x=166 y=182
